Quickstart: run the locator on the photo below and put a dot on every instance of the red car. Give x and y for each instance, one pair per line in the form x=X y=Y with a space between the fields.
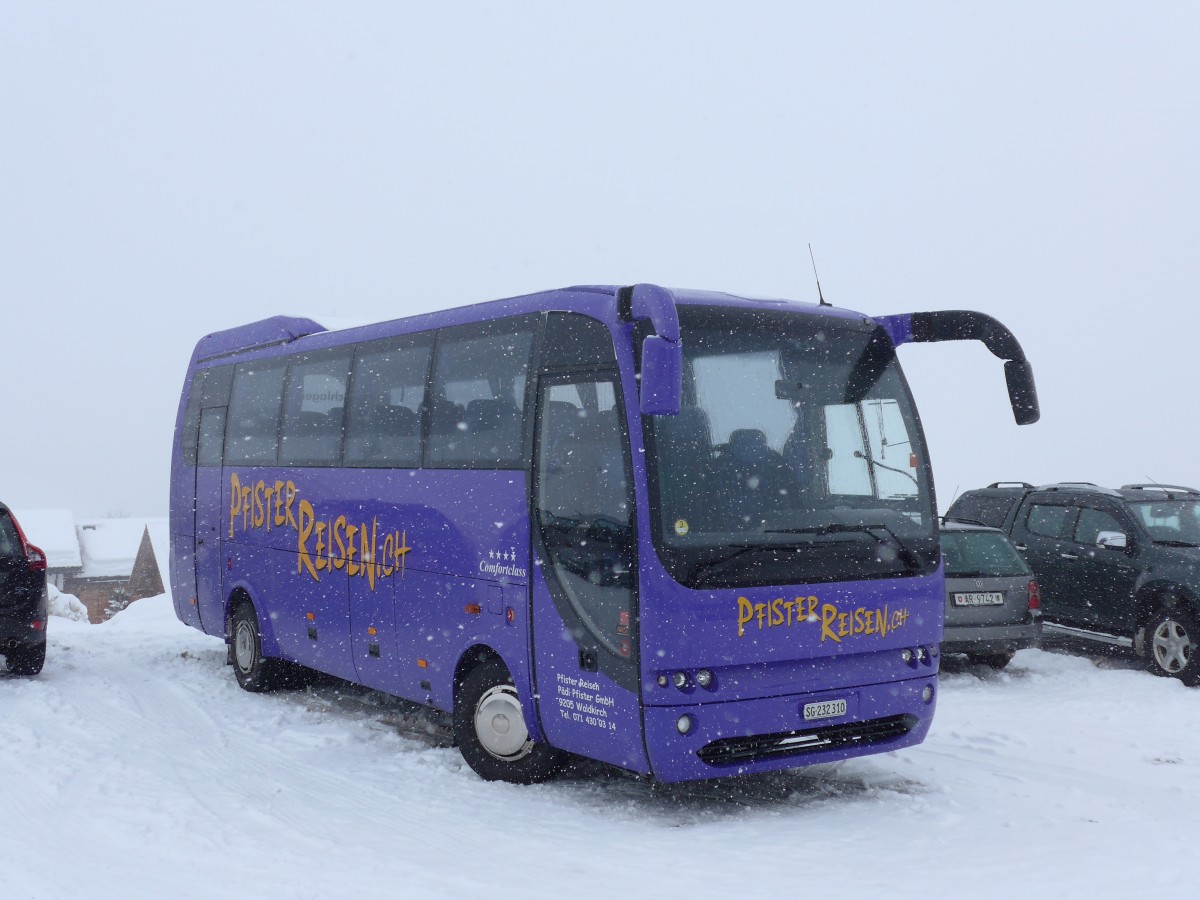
x=24 y=602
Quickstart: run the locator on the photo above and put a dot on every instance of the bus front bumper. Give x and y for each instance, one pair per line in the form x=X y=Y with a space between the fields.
x=717 y=739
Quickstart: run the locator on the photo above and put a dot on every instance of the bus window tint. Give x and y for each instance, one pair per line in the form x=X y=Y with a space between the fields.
x=311 y=433
x=253 y=427
x=384 y=425
x=477 y=404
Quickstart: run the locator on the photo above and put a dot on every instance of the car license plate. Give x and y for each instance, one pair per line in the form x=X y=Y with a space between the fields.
x=826 y=709
x=979 y=598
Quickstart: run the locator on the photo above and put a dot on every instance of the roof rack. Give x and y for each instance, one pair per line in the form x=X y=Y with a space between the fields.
x=1167 y=488
x=1077 y=485
x=1004 y=484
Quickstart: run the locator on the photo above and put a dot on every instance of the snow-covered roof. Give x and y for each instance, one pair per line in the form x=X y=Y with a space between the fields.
x=53 y=530
x=109 y=546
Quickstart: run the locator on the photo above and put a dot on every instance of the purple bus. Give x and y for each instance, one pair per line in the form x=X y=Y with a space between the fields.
x=684 y=533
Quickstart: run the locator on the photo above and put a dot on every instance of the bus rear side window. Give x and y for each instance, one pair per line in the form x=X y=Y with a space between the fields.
x=311 y=433
x=252 y=435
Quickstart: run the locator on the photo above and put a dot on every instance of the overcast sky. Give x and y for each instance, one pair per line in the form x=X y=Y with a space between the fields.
x=171 y=169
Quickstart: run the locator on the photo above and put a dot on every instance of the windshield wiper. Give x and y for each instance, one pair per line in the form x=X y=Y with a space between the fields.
x=903 y=552
x=1177 y=544
x=709 y=568
x=876 y=464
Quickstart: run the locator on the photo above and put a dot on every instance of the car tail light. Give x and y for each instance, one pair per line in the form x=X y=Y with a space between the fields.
x=36 y=558
x=1035 y=597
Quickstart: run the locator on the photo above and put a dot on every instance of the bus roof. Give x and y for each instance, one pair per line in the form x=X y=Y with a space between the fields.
x=594 y=300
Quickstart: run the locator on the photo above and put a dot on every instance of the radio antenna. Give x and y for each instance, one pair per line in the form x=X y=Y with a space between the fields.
x=820 y=296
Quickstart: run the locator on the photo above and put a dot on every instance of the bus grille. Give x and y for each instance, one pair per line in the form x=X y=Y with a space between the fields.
x=732 y=751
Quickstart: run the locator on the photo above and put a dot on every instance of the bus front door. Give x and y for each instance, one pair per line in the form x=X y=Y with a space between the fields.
x=584 y=587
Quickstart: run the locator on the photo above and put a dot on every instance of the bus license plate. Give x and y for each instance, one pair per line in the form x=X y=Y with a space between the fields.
x=826 y=709
x=979 y=598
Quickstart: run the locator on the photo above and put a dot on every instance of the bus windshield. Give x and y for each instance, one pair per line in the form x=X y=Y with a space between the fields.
x=796 y=456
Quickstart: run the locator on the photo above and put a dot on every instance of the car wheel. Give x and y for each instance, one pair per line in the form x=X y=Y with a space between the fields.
x=1171 y=639
x=254 y=672
x=490 y=729
x=26 y=660
x=992 y=660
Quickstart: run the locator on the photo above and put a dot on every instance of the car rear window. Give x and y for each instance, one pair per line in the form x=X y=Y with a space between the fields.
x=986 y=510
x=980 y=554
x=10 y=541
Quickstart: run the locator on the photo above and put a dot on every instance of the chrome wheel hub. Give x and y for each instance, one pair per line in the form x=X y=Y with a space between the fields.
x=1172 y=646
x=500 y=724
x=243 y=646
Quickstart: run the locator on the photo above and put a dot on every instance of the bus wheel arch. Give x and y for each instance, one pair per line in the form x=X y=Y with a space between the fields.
x=254 y=671
x=490 y=723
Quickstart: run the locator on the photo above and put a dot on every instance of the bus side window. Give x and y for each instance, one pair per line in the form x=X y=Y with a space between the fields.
x=252 y=433
x=383 y=426
x=311 y=433
x=477 y=400
x=212 y=436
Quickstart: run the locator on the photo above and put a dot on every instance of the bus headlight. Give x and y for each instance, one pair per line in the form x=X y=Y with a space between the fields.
x=704 y=678
x=927 y=694
x=684 y=725
x=680 y=679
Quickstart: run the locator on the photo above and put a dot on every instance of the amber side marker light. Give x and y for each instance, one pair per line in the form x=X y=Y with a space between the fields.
x=473 y=608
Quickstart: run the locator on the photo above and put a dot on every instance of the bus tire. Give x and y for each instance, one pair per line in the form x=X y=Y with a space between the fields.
x=490 y=729
x=26 y=660
x=1171 y=643
x=254 y=672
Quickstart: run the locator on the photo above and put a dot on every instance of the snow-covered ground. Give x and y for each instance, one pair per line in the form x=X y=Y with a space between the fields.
x=134 y=767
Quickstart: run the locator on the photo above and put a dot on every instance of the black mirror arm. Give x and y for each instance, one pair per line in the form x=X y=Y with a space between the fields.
x=967 y=325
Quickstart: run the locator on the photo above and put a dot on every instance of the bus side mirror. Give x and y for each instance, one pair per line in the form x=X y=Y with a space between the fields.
x=662 y=376
x=1022 y=393
x=966 y=325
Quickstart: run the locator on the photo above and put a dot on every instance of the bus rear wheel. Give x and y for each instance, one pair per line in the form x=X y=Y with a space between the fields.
x=254 y=672
x=490 y=729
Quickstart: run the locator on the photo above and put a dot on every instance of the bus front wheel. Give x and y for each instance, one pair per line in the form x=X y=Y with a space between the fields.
x=490 y=729
x=254 y=672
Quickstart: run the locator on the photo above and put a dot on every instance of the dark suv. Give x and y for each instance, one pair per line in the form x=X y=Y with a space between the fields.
x=23 y=599
x=1119 y=567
